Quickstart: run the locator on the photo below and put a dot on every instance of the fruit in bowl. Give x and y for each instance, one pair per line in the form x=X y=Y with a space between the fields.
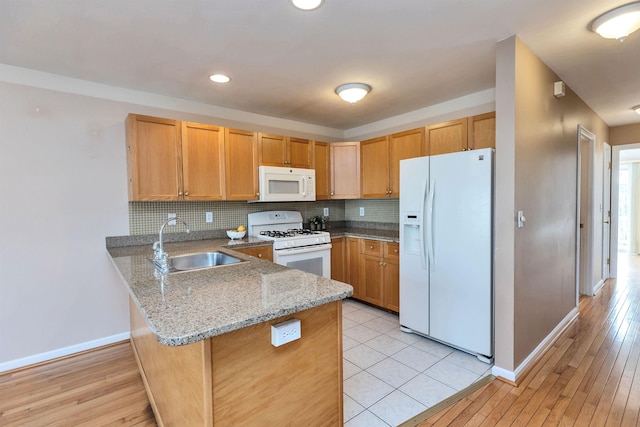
x=238 y=233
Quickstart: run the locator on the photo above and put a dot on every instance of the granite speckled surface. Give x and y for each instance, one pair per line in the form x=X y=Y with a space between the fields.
x=187 y=307
x=366 y=233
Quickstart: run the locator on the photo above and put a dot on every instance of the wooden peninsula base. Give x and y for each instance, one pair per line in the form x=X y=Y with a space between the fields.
x=240 y=378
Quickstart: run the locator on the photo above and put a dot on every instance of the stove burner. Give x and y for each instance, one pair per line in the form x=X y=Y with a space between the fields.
x=292 y=232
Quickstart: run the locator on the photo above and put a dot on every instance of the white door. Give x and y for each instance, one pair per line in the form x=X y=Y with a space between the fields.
x=606 y=213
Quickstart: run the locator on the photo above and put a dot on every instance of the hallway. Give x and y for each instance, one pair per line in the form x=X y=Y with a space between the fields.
x=591 y=375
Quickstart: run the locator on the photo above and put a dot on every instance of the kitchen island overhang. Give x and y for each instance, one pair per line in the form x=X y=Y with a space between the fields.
x=206 y=334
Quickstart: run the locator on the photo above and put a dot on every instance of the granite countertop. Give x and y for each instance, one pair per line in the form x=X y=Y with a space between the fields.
x=187 y=307
x=366 y=233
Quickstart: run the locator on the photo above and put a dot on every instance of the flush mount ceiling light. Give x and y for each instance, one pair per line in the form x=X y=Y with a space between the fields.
x=307 y=4
x=619 y=22
x=636 y=109
x=353 y=92
x=219 y=78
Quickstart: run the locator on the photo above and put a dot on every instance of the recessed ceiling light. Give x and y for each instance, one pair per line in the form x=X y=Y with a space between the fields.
x=307 y=4
x=219 y=78
x=636 y=109
x=353 y=92
x=618 y=23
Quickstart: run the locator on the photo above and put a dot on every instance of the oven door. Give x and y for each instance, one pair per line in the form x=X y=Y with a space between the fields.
x=312 y=259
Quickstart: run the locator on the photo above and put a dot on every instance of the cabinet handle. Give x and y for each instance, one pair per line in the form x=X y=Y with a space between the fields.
x=259 y=255
x=380 y=262
x=179 y=193
x=395 y=251
x=371 y=247
x=258 y=194
x=332 y=193
x=186 y=193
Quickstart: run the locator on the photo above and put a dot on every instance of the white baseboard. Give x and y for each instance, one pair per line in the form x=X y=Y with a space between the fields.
x=514 y=376
x=597 y=287
x=61 y=352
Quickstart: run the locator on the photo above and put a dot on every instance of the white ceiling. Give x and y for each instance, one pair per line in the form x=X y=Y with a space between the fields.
x=286 y=63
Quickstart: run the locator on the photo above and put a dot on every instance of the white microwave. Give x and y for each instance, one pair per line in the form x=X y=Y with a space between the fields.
x=282 y=184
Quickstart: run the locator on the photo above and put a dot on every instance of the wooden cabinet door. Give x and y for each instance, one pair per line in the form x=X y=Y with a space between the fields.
x=345 y=170
x=322 y=165
x=391 y=290
x=241 y=167
x=482 y=131
x=300 y=153
x=403 y=145
x=372 y=276
x=374 y=168
x=154 y=159
x=447 y=137
x=353 y=265
x=203 y=162
x=262 y=252
x=338 y=252
x=272 y=150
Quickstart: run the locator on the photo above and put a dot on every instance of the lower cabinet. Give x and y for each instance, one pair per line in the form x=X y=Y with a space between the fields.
x=372 y=267
x=262 y=252
x=338 y=251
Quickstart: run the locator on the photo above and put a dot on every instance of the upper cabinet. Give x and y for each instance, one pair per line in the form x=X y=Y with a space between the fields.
x=345 y=170
x=241 y=150
x=374 y=168
x=482 y=131
x=322 y=165
x=203 y=162
x=173 y=160
x=446 y=137
x=469 y=133
x=380 y=161
x=279 y=150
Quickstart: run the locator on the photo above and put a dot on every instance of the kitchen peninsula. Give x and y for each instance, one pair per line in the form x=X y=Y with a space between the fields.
x=202 y=340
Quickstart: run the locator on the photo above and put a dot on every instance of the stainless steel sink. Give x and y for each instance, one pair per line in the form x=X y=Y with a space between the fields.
x=200 y=260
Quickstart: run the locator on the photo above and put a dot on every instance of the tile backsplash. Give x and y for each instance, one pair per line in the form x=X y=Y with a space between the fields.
x=147 y=217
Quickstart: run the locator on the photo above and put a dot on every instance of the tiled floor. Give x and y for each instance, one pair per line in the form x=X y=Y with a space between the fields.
x=390 y=375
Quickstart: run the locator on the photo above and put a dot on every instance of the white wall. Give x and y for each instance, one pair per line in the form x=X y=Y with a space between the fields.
x=62 y=189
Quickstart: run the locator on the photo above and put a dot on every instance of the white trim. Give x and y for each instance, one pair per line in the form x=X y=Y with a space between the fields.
x=467 y=105
x=61 y=352
x=42 y=80
x=598 y=285
x=514 y=376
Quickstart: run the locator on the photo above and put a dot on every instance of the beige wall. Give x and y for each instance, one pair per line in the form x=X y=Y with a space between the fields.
x=628 y=134
x=537 y=152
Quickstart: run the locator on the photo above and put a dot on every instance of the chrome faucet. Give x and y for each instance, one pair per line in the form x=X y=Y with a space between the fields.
x=160 y=257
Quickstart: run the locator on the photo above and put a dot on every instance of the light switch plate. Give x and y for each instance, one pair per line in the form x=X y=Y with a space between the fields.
x=325 y=212
x=169 y=216
x=208 y=217
x=361 y=211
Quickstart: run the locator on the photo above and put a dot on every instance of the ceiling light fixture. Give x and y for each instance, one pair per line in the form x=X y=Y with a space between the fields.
x=219 y=78
x=307 y=4
x=353 y=92
x=618 y=23
x=636 y=109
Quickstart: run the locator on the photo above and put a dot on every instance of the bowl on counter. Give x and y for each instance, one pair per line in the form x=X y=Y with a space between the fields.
x=235 y=235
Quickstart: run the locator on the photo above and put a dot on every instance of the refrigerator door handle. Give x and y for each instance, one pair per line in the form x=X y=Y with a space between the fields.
x=432 y=259
x=423 y=251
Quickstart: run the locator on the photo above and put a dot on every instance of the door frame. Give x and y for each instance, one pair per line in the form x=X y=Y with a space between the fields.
x=615 y=200
x=586 y=269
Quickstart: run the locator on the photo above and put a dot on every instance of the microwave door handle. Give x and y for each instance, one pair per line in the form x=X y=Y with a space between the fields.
x=304 y=185
x=310 y=249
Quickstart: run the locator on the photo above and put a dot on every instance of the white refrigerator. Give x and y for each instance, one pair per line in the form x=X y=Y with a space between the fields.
x=446 y=249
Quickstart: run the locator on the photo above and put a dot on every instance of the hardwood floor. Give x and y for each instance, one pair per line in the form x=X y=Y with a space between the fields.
x=591 y=376
x=96 y=388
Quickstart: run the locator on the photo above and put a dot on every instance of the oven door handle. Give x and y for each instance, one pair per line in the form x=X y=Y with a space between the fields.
x=305 y=250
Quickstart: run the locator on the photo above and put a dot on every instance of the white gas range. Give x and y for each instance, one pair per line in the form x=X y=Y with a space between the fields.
x=293 y=246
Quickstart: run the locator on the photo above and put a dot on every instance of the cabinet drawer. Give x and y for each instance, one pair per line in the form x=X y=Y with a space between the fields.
x=262 y=252
x=391 y=250
x=372 y=247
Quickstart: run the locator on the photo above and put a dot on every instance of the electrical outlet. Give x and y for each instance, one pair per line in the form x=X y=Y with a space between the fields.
x=325 y=212
x=361 y=211
x=208 y=217
x=169 y=216
x=285 y=332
